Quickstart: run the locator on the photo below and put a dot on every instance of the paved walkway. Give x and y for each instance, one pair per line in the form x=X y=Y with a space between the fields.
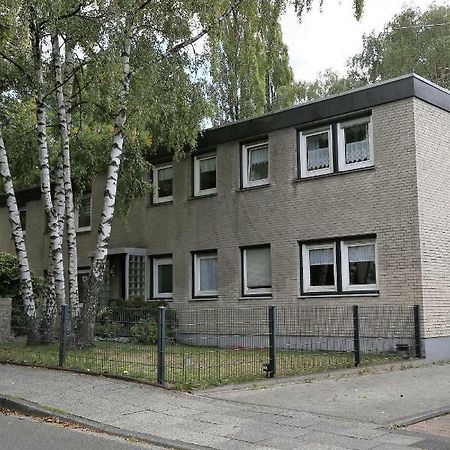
x=339 y=412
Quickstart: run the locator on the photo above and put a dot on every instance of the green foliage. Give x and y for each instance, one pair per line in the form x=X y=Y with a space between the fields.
x=144 y=332
x=411 y=42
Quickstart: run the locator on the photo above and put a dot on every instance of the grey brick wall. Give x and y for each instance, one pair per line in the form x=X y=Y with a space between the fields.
x=433 y=179
x=5 y=319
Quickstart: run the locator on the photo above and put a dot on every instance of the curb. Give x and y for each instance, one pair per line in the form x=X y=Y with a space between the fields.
x=410 y=420
x=35 y=410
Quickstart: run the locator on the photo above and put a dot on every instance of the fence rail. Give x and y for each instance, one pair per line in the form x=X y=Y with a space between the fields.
x=198 y=347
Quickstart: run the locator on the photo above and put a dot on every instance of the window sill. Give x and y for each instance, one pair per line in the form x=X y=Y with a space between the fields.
x=160 y=299
x=334 y=174
x=253 y=188
x=341 y=295
x=196 y=197
x=204 y=299
x=84 y=231
x=169 y=202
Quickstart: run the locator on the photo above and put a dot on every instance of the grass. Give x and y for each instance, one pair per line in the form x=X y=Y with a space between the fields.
x=186 y=366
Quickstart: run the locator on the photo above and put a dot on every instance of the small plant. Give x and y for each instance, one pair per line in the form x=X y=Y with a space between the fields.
x=144 y=332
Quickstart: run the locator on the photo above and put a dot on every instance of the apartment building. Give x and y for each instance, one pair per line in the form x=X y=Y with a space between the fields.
x=344 y=200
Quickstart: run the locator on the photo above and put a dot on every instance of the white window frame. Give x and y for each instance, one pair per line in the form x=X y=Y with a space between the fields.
x=197 y=191
x=307 y=288
x=197 y=258
x=254 y=291
x=346 y=286
x=304 y=172
x=245 y=169
x=343 y=166
x=157 y=261
x=77 y=217
x=156 y=198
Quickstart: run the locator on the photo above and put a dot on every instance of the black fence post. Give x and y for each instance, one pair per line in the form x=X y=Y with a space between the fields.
x=356 y=338
x=417 y=337
x=161 y=345
x=272 y=367
x=63 y=336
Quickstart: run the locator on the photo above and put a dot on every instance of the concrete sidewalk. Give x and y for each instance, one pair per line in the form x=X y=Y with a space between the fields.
x=338 y=412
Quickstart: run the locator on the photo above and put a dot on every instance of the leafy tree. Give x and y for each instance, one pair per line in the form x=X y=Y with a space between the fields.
x=411 y=42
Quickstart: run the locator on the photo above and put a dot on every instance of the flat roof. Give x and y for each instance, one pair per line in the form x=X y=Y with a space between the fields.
x=366 y=97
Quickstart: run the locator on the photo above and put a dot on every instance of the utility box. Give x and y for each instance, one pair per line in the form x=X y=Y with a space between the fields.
x=5 y=319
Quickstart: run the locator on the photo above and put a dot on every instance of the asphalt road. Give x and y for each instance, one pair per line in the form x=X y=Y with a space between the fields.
x=23 y=433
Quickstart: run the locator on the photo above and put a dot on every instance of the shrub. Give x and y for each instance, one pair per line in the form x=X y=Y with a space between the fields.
x=144 y=332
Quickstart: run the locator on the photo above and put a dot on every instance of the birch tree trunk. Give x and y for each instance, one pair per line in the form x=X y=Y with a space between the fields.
x=61 y=105
x=26 y=285
x=87 y=322
x=51 y=212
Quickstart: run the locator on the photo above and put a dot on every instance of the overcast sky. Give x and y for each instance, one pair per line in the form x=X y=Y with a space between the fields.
x=328 y=39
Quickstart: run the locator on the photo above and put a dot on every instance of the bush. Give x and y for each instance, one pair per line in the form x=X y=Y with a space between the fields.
x=144 y=332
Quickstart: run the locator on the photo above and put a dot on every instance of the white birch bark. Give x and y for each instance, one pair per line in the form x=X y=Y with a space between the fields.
x=17 y=235
x=61 y=105
x=86 y=336
x=50 y=210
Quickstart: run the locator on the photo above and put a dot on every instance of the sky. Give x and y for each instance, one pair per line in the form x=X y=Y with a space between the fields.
x=329 y=38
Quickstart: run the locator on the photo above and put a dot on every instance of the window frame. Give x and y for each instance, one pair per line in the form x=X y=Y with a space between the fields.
x=23 y=209
x=306 y=268
x=80 y=272
x=254 y=292
x=156 y=261
x=156 y=199
x=345 y=244
x=196 y=257
x=245 y=150
x=303 y=136
x=77 y=215
x=341 y=126
x=197 y=191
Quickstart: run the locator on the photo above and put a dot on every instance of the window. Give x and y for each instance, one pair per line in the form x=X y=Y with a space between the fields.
x=339 y=266
x=84 y=213
x=205 y=175
x=23 y=218
x=316 y=152
x=256 y=271
x=83 y=279
x=255 y=164
x=162 y=183
x=319 y=268
x=205 y=274
x=355 y=144
x=358 y=265
x=162 y=277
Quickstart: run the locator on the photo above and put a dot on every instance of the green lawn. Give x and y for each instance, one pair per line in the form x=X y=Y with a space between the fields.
x=186 y=366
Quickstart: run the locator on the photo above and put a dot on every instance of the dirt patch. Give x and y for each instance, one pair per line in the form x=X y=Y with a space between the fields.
x=438 y=426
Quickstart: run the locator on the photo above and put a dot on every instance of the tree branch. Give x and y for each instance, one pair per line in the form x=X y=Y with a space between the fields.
x=203 y=32
x=18 y=66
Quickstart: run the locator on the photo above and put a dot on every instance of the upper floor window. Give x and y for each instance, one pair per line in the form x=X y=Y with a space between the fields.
x=162 y=277
x=163 y=183
x=205 y=274
x=256 y=270
x=316 y=152
x=84 y=213
x=355 y=144
x=255 y=164
x=205 y=175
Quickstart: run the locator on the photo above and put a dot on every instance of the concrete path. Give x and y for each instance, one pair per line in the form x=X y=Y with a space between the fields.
x=338 y=412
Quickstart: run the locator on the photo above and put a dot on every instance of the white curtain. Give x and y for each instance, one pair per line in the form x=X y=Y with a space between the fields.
x=208 y=274
x=165 y=174
x=258 y=266
x=357 y=151
x=317 y=154
x=361 y=253
x=258 y=156
x=208 y=165
x=321 y=257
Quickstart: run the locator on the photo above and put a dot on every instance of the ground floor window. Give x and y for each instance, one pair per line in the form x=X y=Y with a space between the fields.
x=256 y=270
x=162 y=277
x=136 y=276
x=83 y=279
x=319 y=268
x=205 y=274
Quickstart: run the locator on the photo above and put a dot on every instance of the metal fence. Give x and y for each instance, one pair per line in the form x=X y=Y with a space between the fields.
x=187 y=347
